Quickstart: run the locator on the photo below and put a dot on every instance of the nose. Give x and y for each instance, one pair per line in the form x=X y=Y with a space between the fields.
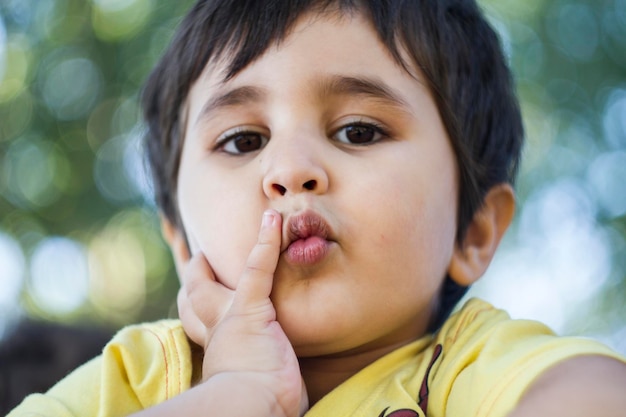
x=294 y=168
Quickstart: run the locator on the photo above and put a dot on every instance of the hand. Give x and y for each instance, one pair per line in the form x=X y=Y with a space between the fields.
x=202 y=300
x=238 y=329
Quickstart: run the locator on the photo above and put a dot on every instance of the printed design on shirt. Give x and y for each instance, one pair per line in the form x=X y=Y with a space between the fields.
x=399 y=413
x=423 y=394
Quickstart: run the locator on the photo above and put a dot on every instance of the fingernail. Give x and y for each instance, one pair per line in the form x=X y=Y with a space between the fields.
x=268 y=219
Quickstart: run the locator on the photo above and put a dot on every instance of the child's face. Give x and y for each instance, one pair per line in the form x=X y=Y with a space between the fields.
x=382 y=213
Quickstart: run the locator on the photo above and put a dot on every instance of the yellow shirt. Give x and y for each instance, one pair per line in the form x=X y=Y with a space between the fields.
x=478 y=364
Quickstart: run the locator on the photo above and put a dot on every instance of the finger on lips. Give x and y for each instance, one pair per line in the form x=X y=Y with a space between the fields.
x=256 y=281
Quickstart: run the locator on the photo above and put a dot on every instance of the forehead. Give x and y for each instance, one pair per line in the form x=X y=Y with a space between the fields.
x=324 y=54
x=310 y=28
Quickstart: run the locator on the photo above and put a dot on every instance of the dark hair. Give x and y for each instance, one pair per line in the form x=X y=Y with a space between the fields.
x=450 y=42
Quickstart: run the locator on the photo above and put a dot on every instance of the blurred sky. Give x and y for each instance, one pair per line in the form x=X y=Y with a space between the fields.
x=79 y=238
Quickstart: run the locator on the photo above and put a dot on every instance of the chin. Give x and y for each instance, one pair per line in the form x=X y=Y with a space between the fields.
x=316 y=336
x=309 y=335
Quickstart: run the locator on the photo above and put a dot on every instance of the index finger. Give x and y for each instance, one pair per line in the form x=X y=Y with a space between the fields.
x=255 y=284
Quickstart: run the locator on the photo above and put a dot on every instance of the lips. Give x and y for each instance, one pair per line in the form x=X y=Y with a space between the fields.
x=306 y=240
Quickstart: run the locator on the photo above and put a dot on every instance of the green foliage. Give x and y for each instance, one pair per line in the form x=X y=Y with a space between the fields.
x=71 y=72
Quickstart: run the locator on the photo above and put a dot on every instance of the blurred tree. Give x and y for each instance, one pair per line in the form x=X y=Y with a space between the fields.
x=79 y=237
x=75 y=203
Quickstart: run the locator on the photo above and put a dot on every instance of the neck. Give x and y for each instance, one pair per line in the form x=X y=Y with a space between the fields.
x=323 y=374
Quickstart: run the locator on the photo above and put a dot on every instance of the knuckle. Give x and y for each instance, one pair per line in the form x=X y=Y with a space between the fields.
x=256 y=269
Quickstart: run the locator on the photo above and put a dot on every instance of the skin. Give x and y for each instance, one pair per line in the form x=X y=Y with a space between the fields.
x=579 y=387
x=386 y=184
x=283 y=333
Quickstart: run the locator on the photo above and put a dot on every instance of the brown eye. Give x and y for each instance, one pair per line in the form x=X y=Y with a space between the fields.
x=243 y=142
x=359 y=134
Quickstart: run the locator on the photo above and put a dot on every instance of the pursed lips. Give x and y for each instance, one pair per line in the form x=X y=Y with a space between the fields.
x=306 y=238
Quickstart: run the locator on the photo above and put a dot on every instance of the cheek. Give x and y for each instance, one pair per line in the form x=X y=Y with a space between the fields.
x=415 y=222
x=220 y=223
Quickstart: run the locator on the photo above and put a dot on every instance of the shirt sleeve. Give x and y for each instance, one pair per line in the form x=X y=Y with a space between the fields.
x=493 y=360
x=142 y=366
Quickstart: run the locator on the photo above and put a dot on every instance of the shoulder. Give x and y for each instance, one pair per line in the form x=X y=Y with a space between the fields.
x=145 y=354
x=489 y=360
x=493 y=334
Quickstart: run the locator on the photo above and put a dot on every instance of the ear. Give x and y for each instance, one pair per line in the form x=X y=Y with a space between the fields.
x=473 y=255
x=177 y=242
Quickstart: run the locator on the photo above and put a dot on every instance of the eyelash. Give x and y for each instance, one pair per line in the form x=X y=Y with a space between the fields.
x=241 y=132
x=229 y=139
x=377 y=128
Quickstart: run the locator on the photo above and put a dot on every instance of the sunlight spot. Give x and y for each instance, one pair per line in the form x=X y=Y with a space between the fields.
x=118 y=269
x=135 y=167
x=116 y=20
x=71 y=88
x=15 y=65
x=116 y=169
x=607 y=175
x=577 y=31
x=11 y=280
x=3 y=48
x=59 y=275
x=614 y=119
x=29 y=168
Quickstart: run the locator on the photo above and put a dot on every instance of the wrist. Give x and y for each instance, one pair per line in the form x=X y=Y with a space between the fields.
x=243 y=394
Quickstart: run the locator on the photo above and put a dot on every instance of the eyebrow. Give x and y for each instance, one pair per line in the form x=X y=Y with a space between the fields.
x=232 y=98
x=336 y=85
x=361 y=86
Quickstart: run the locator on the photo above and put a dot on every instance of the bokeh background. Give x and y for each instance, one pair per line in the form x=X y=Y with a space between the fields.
x=79 y=235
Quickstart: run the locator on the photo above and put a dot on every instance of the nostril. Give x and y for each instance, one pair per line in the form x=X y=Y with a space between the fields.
x=281 y=190
x=310 y=185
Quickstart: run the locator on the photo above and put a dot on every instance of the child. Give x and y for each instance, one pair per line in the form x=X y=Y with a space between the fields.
x=376 y=143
